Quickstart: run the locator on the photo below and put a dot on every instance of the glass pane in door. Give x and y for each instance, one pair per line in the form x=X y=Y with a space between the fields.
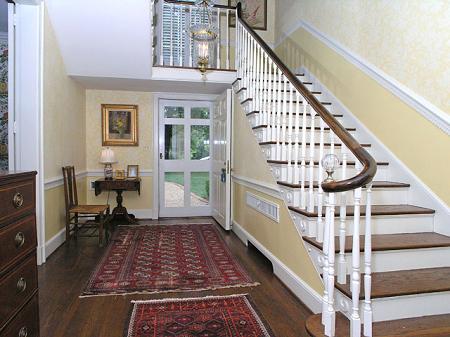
x=174 y=189
x=174 y=142
x=173 y=112
x=199 y=189
x=200 y=142
x=200 y=113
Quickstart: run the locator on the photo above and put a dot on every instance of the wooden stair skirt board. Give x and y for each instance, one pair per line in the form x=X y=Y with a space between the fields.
x=428 y=326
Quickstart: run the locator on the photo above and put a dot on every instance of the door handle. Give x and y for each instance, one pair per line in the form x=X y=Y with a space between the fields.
x=160 y=155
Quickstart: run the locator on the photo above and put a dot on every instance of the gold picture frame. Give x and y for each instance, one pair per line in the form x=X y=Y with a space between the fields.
x=119 y=125
x=120 y=174
x=254 y=13
x=133 y=171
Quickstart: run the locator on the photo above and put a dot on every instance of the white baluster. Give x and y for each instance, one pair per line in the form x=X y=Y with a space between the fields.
x=270 y=111
x=355 y=319
x=296 y=177
x=218 y=66
x=171 y=6
x=367 y=318
x=160 y=38
x=180 y=36
x=228 y=39
x=342 y=267
x=190 y=40
x=284 y=122
x=320 y=226
x=279 y=115
x=311 y=162
x=289 y=115
x=303 y=162
x=266 y=105
x=330 y=316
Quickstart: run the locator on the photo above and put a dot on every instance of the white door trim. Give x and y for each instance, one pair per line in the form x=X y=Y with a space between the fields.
x=157 y=96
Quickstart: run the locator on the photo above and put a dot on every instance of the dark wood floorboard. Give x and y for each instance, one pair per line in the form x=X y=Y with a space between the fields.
x=63 y=277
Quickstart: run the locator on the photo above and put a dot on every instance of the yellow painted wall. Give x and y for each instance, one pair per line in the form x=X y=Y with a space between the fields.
x=407 y=39
x=422 y=146
x=64 y=129
x=55 y=207
x=141 y=155
x=281 y=239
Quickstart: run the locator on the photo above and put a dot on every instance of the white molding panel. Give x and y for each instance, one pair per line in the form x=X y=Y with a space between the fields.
x=414 y=100
x=263 y=206
x=257 y=185
x=300 y=288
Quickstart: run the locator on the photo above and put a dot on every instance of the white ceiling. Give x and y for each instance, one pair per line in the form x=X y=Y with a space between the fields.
x=103 y=38
x=151 y=85
x=3 y=16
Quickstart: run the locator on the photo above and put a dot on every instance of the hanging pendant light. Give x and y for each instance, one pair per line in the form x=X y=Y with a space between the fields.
x=204 y=34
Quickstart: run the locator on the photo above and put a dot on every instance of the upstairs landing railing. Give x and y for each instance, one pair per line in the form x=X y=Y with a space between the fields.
x=297 y=121
x=173 y=46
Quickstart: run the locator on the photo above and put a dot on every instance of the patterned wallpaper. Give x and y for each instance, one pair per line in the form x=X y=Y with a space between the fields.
x=3 y=104
x=407 y=39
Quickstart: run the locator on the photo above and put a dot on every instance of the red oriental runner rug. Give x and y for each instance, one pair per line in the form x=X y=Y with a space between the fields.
x=221 y=316
x=166 y=258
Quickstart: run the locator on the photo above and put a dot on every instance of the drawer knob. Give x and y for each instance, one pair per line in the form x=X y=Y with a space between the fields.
x=21 y=285
x=19 y=240
x=18 y=200
x=23 y=332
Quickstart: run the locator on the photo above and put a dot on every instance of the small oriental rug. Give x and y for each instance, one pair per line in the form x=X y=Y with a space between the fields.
x=166 y=258
x=221 y=316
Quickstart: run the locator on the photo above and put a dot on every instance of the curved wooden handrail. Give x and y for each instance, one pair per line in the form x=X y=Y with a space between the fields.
x=188 y=3
x=369 y=164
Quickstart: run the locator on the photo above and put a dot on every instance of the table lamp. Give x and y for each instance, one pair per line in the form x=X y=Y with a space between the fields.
x=108 y=158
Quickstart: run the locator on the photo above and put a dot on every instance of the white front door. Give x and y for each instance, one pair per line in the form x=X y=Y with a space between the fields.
x=184 y=155
x=221 y=160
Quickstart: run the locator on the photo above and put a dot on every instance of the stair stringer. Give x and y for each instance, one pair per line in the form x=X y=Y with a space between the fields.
x=419 y=193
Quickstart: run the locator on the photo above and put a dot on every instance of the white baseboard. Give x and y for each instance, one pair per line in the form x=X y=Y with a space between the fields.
x=53 y=244
x=300 y=288
x=146 y=213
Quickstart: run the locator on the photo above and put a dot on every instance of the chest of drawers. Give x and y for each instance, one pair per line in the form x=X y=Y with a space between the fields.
x=19 y=310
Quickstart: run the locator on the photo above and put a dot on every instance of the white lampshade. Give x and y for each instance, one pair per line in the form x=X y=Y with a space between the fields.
x=107 y=156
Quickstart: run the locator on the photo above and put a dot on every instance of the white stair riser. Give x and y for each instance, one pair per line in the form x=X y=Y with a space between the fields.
x=256 y=119
x=391 y=260
x=270 y=152
x=380 y=196
x=280 y=172
x=399 y=307
x=380 y=224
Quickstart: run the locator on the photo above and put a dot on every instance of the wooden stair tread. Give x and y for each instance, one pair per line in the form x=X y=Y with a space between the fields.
x=349 y=163
x=427 y=326
x=316 y=128
x=376 y=210
x=404 y=282
x=316 y=144
x=383 y=242
x=375 y=184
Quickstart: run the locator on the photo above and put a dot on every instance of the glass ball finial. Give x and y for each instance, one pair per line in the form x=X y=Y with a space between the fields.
x=330 y=163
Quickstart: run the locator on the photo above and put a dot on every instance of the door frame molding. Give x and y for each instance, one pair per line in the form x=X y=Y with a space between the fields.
x=157 y=96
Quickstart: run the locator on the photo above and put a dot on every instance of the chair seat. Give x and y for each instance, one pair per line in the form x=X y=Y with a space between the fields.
x=88 y=209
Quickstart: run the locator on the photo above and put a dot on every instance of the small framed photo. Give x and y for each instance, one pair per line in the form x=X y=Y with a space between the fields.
x=119 y=125
x=133 y=171
x=120 y=174
x=254 y=13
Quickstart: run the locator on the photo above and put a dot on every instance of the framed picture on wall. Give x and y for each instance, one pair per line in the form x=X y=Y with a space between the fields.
x=254 y=13
x=119 y=125
x=132 y=171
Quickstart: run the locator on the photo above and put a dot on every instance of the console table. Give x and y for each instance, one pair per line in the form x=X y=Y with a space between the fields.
x=119 y=185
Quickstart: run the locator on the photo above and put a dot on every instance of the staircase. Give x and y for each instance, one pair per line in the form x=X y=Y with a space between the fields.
x=385 y=271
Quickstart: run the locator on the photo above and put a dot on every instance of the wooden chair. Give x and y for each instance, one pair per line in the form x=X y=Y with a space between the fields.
x=94 y=215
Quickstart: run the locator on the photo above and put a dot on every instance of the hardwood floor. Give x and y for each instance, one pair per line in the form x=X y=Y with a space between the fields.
x=63 y=277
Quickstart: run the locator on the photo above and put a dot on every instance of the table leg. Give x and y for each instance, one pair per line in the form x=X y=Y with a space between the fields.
x=120 y=210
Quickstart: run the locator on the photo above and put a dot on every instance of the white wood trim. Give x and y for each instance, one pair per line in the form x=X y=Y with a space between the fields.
x=142 y=213
x=100 y=173
x=192 y=75
x=414 y=100
x=57 y=181
x=260 y=186
x=311 y=298
x=55 y=242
